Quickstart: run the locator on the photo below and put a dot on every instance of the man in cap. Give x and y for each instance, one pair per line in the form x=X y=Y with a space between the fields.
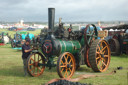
x=25 y=53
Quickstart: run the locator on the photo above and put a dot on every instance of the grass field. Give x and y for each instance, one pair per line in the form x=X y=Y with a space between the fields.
x=11 y=70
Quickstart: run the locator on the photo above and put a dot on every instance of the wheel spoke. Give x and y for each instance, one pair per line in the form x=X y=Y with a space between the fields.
x=98 y=48
x=71 y=65
x=97 y=58
x=69 y=61
x=104 y=63
x=63 y=66
x=98 y=62
x=104 y=52
x=65 y=73
x=31 y=64
x=32 y=59
x=103 y=48
x=39 y=60
x=70 y=70
x=101 y=65
x=106 y=55
x=65 y=59
x=101 y=44
x=62 y=70
x=98 y=52
x=62 y=62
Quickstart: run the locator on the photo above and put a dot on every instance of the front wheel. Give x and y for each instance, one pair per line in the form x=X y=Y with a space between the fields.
x=66 y=65
x=33 y=67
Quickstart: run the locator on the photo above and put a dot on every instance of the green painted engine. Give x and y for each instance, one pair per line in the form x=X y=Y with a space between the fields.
x=70 y=48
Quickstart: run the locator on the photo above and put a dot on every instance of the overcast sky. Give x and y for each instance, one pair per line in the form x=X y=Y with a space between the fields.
x=69 y=10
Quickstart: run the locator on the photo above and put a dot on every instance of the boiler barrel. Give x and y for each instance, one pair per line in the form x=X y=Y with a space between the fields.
x=61 y=46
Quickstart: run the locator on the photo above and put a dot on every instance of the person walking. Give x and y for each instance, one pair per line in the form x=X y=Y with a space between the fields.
x=25 y=53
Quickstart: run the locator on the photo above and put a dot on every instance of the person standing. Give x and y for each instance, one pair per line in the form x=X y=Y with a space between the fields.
x=25 y=53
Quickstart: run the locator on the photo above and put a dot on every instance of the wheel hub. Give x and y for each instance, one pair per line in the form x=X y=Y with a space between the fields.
x=68 y=66
x=102 y=55
x=36 y=64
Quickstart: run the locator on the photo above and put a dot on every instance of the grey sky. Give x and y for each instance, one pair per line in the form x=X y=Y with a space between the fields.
x=69 y=10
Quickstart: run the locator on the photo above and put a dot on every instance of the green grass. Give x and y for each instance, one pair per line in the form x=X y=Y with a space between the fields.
x=11 y=71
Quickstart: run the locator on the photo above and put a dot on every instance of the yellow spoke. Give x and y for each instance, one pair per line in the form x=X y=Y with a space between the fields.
x=65 y=73
x=70 y=70
x=104 y=48
x=101 y=44
x=32 y=59
x=105 y=55
x=71 y=65
x=98 y=62
x=104 y=63
x=65 y=58
x=101 y=67
x=62 y=70
x=99 y=47
x=97 y=58
x=62 y=62
x=98 y=52
x=104 y=52
x=69 y=61
x=62 y=66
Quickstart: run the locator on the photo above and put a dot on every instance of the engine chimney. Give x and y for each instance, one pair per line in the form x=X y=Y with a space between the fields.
x=51 y=18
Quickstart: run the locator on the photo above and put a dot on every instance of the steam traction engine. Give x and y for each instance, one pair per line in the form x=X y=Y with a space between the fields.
x=69 y=47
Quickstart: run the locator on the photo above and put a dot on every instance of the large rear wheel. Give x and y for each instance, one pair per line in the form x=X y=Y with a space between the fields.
x=66 y=65
x=99 y=55
x=33 y=61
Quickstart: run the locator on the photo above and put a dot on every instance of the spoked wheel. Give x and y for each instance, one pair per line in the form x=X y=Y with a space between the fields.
x=99 y=55
x=33 y=61
x=66 y=65
x=90 y=34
